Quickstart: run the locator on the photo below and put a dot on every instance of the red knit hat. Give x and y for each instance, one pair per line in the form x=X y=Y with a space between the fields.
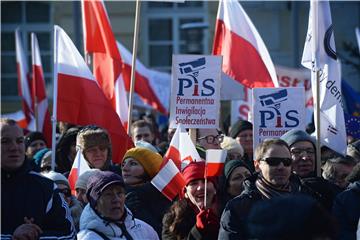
x=193 y=171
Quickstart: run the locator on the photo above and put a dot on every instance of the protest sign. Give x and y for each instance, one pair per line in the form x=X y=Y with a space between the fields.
x=276 y=111
x=195 y=91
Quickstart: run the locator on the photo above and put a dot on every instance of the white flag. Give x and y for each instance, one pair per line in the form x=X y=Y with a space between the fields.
x=357 y=32
x=320 y=54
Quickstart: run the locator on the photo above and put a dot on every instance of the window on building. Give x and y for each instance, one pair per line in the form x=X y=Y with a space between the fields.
x=28 y=17
x=162 y=30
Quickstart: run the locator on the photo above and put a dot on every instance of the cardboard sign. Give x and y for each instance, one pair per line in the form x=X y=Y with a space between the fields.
x=195 y=91
x=276 y=111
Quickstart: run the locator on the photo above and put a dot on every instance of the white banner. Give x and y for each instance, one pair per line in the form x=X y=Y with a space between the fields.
x=276 y=111
x=195 y=91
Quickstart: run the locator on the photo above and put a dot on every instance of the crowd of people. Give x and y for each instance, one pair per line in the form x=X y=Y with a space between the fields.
x=271 y=192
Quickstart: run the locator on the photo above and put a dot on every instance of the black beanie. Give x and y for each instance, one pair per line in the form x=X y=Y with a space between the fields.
x=231 y=165
x=33 y=136
x=240 y=126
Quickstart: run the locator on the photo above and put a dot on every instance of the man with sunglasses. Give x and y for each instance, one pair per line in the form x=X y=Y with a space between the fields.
x=274 y=179
x=209 y=138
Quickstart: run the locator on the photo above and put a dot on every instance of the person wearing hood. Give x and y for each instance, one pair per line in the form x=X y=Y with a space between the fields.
x=189 y=217
x=139 y=166
x=95 y=144
x=106 y=216
x=303 y=154
x=275 y=179
x=66 y=150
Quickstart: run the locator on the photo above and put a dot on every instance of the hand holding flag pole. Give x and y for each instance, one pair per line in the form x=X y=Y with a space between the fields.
x=215 y=160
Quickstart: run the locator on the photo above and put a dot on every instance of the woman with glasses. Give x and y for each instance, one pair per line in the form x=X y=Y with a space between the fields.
x=209 y=138
x=274 y=179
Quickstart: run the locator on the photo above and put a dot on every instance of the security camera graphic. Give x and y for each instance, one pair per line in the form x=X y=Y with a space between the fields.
x=192 y=67
x=274 y=101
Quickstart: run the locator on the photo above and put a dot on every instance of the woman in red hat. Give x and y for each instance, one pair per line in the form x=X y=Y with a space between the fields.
x=189 y=217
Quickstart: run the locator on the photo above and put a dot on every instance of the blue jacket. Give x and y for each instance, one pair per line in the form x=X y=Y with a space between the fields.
x=26 y=193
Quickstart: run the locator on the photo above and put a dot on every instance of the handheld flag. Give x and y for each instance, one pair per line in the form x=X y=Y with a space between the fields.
x=169 y=180
x=181 y=150
x=215 y=160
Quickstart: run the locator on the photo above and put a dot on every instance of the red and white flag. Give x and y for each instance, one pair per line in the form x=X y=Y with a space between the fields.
x=79 y=167
x=39 y=92
x=24 y=83
x=181 y=150
x=169 y=181
x=215 y=160
x=246 y=59
x=99 y=40
x=78 y=97
x=152 y=86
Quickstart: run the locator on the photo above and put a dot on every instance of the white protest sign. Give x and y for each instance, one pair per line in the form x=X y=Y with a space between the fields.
x=276 y=111
x=195 y=91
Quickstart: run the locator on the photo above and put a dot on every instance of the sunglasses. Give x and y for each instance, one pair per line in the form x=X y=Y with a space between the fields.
x=275 y=161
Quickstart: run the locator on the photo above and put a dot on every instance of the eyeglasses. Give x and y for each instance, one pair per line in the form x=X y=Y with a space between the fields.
x=211 y=138
x=275 y=161
x=298 y=151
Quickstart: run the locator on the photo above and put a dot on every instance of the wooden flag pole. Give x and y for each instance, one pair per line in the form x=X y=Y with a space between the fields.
x=133 y=64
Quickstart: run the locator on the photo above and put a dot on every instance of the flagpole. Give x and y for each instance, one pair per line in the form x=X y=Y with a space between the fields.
x=33 y=82
x=316 y=75
x=205 y=197
x=55 y=82
x=133 y=64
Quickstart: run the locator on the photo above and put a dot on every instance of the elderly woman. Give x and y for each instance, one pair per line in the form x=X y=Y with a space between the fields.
x=95 y=144
x=139 y=166
x=106 y=217
x=189 y=218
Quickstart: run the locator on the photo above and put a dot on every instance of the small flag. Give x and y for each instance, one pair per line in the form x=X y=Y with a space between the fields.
x=79 y=167
x=352 y=124
x=215 y=160
x=169 y=180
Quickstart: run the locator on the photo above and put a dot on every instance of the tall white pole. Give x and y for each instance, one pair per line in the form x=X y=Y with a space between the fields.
x=133 y=63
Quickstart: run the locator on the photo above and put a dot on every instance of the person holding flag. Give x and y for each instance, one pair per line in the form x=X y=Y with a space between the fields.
x=190 y=217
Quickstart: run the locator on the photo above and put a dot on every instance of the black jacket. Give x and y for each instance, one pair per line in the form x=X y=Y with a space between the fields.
x=234 y=217
x=26 y=193
x=347 y=211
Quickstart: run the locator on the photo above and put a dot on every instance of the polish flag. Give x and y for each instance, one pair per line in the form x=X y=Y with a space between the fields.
x=18 y=116
x=39 y=92
x=24 y=83
x=152 y=86
x=169 y=181
x=80 y=99
x=245 y=57
x=215 y=160
x=181 y=150
x=99 y=40
x=79 y=167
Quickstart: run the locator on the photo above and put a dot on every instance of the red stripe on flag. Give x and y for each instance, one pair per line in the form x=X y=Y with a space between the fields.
x=174 y=187
x=80 y=101
x=241 y=59
x=214 y=169
x=143 y=89
x=73 y=176
x=173 y=154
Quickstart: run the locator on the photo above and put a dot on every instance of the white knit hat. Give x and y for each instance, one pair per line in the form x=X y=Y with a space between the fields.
x=84 y=177
x=232 y=145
